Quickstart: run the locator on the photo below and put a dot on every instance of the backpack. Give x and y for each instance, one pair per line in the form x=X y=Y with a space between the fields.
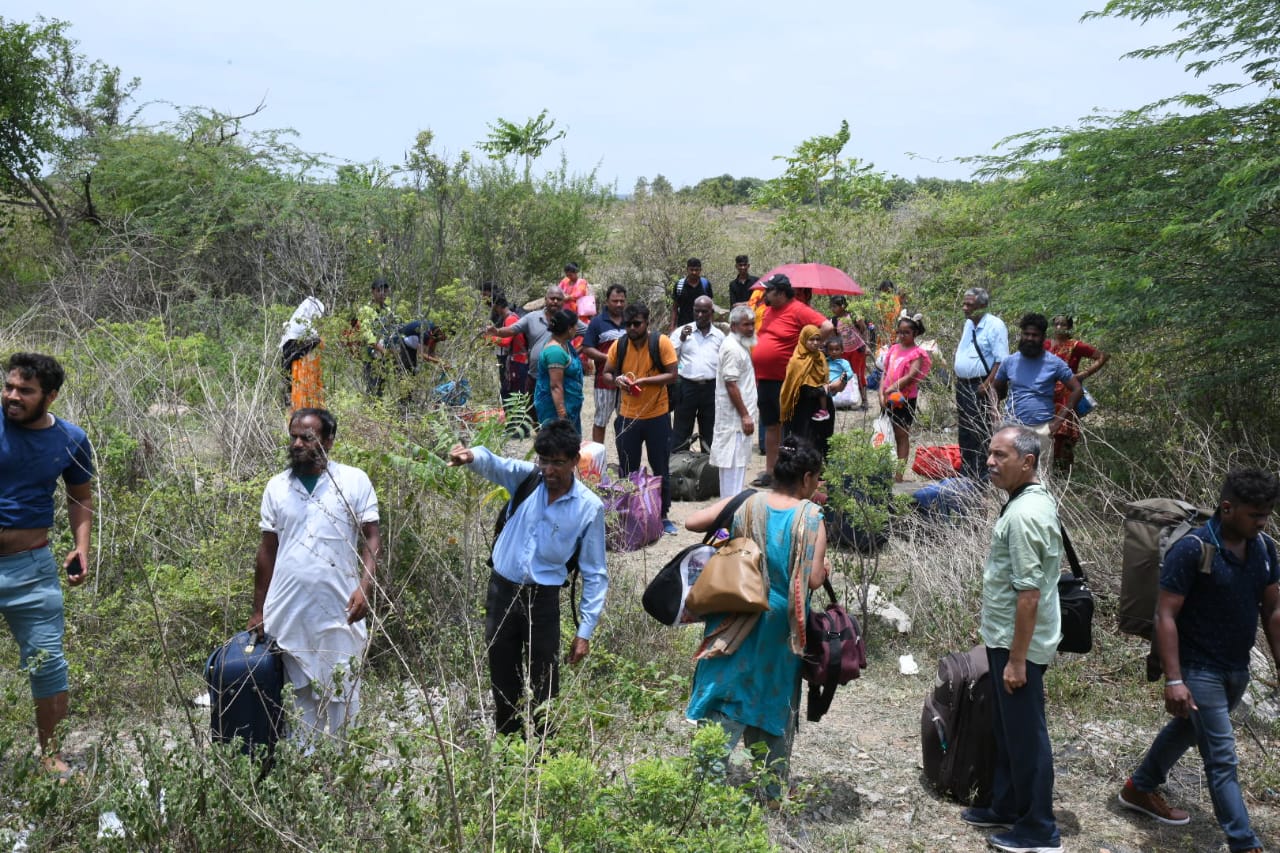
x=522 y=492
x=834 y=653
x=957 y=741
x=655 y=357
x=1151 y=528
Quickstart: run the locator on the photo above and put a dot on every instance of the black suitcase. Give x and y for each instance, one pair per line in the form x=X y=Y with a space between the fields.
x=246 y=682
x=956 y=737
x=693 y=477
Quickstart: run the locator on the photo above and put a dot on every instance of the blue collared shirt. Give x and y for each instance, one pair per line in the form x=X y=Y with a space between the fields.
x=540 y=538
x=993 y=338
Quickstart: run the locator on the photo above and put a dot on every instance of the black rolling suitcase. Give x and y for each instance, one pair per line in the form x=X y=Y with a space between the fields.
x=246 y=682
x=956 y=736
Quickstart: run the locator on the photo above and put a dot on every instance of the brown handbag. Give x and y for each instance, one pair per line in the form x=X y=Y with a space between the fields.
x=733 y=580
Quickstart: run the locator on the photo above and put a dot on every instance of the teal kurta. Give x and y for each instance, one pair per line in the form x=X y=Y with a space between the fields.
x=756 y=685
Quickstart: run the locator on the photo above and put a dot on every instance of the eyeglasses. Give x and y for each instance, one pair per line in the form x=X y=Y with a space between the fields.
x=635 y=324
x=561 y=464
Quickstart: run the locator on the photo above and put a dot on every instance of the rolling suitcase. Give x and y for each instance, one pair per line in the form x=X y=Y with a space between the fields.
x=956 y=737
x=246 y=681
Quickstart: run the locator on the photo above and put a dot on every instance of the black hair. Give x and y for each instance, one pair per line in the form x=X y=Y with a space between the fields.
x=918 y=325
x=615 y=288
x=796 y=457
x=693 y=262
x=570 y=267
x=834 y=339
x=380 y=283
x=1071 y=323
x=839 y=299
x=636 y=310
x=1034 y=320
x=742 y=259
x=1251 y=486
x=328 y=423
x=501 y=302
x=43 y=368
x=556 y=439
x=562 y=321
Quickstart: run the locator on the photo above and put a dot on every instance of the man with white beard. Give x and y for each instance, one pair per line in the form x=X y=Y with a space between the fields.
x=735 y=421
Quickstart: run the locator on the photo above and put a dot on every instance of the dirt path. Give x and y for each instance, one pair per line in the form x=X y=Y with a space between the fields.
x=860 y=773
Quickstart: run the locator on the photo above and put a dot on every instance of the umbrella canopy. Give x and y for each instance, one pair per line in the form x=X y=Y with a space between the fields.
x=819 y=278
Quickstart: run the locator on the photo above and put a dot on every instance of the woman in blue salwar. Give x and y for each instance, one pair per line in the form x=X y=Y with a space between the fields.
x=748 y=673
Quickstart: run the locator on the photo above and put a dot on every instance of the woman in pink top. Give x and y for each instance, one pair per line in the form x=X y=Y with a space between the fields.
x=905 y=364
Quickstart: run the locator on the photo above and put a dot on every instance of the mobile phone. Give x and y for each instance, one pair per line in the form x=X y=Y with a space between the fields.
x=75 y=568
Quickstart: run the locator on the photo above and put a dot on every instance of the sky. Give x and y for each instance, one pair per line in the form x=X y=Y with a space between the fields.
x=687 y=89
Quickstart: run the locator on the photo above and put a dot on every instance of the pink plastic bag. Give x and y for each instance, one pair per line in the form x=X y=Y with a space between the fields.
x=633 y=511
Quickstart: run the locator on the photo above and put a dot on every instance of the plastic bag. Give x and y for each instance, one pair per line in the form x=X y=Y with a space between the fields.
x=881 y=430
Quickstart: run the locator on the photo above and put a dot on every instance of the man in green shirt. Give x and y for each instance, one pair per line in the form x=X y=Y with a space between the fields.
x=1021 y=628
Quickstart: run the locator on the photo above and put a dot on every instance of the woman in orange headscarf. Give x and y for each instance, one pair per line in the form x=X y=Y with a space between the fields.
x=805 y=400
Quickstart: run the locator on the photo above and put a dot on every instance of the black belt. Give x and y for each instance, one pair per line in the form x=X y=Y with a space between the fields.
x=972 y=381
x=696 y=381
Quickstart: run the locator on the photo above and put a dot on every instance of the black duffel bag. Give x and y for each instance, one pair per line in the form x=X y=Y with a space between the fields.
x=1075 y=600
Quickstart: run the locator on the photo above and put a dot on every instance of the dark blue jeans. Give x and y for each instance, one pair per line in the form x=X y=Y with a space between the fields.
x=654 y=435
x=1216 y=694
x=1023 y=787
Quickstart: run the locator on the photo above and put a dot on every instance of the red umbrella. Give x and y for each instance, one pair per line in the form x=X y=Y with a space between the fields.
x=819 y=278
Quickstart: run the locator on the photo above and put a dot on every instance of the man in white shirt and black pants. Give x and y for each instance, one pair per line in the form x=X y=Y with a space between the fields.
x=698 y=346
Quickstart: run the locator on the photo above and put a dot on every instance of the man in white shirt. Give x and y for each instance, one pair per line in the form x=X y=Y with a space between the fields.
x=697 y=345
x=314 y=574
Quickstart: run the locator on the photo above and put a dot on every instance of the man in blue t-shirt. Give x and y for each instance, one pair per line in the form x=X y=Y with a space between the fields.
x=36 y=450
x=1213 y=584
x=1028 y=377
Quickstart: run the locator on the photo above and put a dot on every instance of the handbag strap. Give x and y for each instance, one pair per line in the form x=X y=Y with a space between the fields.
x=1071 y=553
x=725 y=518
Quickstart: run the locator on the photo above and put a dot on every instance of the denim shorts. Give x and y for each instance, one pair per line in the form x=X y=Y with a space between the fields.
x=31 y=601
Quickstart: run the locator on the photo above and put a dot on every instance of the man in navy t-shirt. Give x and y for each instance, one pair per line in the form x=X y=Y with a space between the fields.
x=36 y=450
x=1213 y=585
x=1027 y=378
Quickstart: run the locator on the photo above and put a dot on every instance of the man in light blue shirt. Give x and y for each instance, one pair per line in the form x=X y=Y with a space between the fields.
x=1028 y=378
x=560 y=522
x=984 y=344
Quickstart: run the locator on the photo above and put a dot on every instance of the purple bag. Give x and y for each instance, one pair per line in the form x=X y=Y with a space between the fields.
x=633 y=511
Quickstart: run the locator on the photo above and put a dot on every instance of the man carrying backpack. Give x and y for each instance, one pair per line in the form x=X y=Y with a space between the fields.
x=642 y=364
x=1206 y=623
x=558 y=521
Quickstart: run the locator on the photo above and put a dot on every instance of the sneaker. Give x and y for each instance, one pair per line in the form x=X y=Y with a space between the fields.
x=1151 y=804
x=764 y=481
x=982 y=816
x=669 y=527
x=821 y=415
x=1009 y=843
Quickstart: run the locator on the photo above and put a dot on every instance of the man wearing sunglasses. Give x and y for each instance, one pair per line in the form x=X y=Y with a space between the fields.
x=558 y=521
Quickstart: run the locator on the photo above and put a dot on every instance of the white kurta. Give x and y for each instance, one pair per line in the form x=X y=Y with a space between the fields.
x=317 y=568
x=729 y=447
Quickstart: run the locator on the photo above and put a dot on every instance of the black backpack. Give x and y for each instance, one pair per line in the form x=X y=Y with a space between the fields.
x=655 y=357
x=522 y=492
x=957 y=740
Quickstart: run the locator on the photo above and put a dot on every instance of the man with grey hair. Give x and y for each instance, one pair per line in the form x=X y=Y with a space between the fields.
x=1021 y=629
x=984 y=343
x=735 y=401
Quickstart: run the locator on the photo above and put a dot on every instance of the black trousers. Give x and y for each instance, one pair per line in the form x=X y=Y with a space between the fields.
x=973 y=428
x=522 y=633
x=654 y=436
x=694 y=401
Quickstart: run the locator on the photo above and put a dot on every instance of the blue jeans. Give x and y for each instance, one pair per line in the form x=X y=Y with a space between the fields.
x=31 y=600
x=1023 y=786
x=1209 y=729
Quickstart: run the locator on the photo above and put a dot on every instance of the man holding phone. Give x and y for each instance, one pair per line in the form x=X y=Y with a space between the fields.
x=36 y=449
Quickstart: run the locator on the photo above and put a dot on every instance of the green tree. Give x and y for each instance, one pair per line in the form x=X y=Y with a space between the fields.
x=823 y=197
x=526 y=140
x=53 y=105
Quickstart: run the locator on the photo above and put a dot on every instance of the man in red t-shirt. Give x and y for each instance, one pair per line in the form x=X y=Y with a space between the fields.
x=779 y=333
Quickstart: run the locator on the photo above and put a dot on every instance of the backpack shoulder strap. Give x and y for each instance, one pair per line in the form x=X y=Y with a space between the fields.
x=522 y=492
x=621 y=348
x=655 y=352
